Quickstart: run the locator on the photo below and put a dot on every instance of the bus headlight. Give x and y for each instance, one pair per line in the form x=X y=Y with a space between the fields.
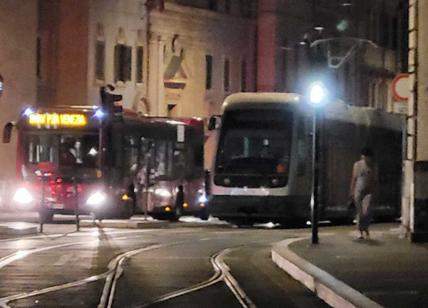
x=23 y=196
x=96 y=199
x=162 y=192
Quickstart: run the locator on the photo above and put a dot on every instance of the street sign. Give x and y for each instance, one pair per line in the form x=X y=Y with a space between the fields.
x=400 y=87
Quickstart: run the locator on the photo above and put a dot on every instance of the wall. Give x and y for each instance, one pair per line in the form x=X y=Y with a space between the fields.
x=63 y=29
x=18 y=26
x=125 y=22
x=189 y=34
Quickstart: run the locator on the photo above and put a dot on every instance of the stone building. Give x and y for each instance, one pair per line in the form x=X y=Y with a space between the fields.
x=18 y=33
x=177 y=58
x=293 y=25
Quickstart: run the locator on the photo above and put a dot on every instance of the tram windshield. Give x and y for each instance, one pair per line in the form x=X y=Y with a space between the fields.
x=255 y=142
x=71 y=154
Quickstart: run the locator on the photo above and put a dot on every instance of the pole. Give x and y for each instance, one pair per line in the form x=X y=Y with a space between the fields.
x=76 y=205
x=147 y=185
x=315 y=176
x=42 y=205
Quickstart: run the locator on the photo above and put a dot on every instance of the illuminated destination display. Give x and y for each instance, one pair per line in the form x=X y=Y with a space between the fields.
x=57 y=119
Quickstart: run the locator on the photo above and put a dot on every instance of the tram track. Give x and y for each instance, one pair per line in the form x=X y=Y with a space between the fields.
x=115 y=270
x=19 y=255
x=221 y=273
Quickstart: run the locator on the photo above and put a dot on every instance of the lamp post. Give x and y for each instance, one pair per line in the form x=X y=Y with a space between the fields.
x=317 y=97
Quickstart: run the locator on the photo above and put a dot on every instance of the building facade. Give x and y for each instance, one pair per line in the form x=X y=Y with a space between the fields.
x=287 y=29
x=18 y=32
x=178 y=58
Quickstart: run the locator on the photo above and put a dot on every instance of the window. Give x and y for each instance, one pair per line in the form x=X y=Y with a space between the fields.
x=227 y=6
x=243 y=76
x=139 y=64
x=226 y=78
x=212 y=5
x=130 y=155
x=122 y=56
x=99 y=60
x=245 y=7
x=208 y=72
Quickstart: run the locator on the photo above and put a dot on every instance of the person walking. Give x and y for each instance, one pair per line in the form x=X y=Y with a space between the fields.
x=363 y=187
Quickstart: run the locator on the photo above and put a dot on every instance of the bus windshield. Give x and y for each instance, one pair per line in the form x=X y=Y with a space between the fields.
x=72 y=154
x=255 y=142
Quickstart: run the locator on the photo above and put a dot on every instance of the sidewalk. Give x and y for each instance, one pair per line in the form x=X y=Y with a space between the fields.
x=345 y=272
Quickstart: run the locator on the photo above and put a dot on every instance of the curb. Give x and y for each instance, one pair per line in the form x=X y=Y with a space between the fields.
x=18 y=229
x=124 y=224
x=331 y=290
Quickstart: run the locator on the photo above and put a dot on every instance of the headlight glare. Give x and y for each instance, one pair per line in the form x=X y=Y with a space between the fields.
x=23 y=196
x=202 y=199
x=163 y=192
x=97 y=198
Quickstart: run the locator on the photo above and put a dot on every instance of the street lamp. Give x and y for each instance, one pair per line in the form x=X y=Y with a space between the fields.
x=317 y=98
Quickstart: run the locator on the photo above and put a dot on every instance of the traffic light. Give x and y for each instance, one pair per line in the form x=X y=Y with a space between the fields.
x=110 y=101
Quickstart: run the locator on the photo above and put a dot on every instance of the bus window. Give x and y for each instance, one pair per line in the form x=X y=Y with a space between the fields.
x=78 y=151
x=179 y=162
x=161 y=162
x=145 y=159
x=131 y=155
x=40 y=148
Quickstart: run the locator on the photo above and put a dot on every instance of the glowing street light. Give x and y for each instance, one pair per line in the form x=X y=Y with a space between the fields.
x=318 y=95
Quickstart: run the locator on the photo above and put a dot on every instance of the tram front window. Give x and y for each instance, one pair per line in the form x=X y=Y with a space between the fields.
x=255 y=142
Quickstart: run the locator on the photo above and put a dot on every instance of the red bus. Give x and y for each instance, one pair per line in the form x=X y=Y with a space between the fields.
x=81 y=158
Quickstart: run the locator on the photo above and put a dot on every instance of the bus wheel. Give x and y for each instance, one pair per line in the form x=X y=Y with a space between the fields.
x=178 y=209
x=127 y=211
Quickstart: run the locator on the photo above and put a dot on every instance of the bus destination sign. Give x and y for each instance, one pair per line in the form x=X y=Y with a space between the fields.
x=57 y=119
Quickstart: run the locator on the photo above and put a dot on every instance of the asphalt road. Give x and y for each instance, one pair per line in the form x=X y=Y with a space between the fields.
x=184 y=265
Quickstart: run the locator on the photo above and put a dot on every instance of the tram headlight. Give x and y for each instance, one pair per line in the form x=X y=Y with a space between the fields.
x=97 y=198
x=163 y=192
x=23 y=196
